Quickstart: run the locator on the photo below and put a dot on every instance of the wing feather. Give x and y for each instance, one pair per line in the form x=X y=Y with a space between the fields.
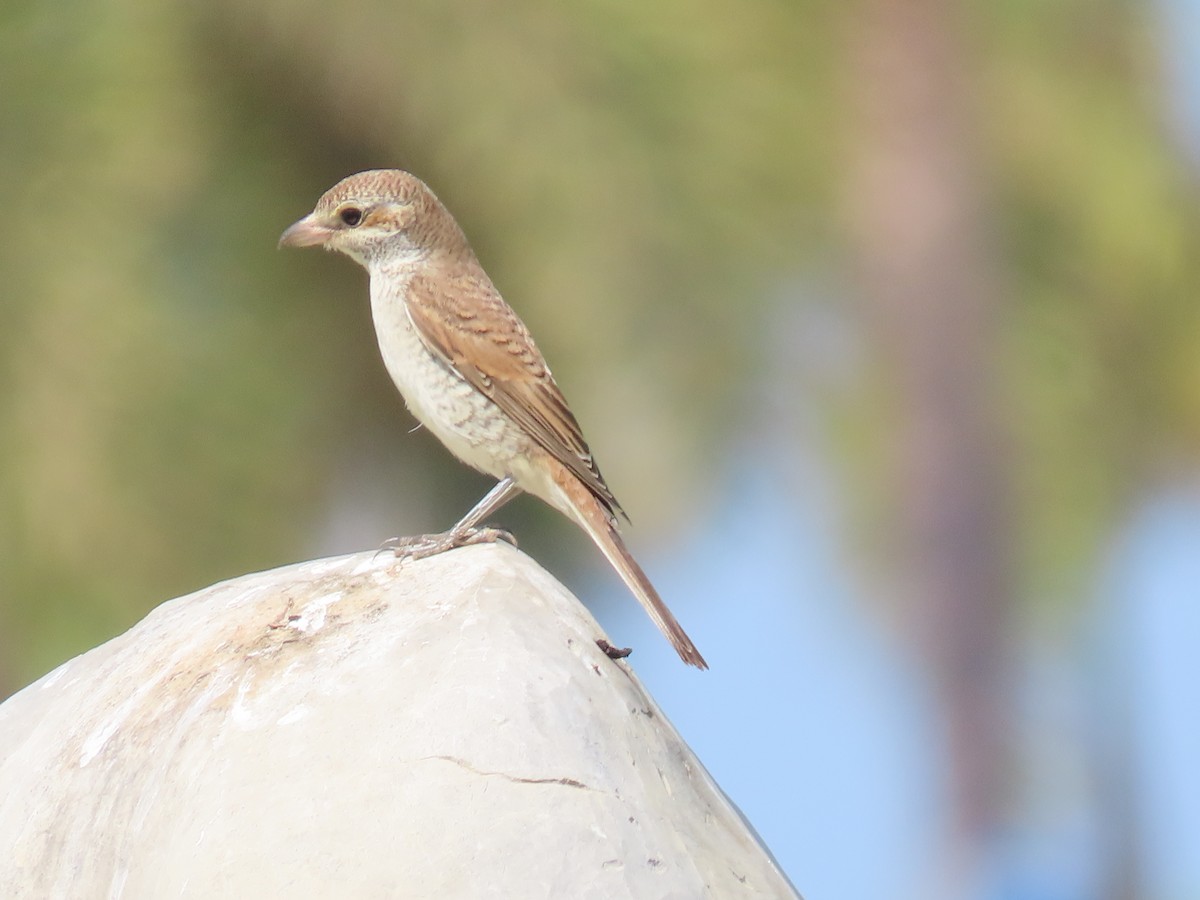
x=462 y=319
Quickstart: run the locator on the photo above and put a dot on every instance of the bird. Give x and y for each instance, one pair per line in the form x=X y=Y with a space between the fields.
x=470 y=372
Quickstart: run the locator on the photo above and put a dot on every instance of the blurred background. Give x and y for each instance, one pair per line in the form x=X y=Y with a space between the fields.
x=880 y=316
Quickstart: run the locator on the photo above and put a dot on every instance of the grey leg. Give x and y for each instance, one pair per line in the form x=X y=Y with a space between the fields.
x=465 y=532
x=505 y=490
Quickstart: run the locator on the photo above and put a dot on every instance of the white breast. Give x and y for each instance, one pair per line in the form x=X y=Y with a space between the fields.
x=470 y=425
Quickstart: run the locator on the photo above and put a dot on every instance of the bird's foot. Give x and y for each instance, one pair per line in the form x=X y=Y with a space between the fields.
x=423 y=545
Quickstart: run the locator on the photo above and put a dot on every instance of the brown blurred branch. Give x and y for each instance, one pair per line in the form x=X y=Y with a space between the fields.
x=921 y=232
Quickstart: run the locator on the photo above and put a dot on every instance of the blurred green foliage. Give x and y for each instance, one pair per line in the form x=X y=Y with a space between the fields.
x=639 y=179
x=1100 y=222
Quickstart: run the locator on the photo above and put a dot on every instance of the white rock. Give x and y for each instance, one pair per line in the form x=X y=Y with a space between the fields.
x=354 y=728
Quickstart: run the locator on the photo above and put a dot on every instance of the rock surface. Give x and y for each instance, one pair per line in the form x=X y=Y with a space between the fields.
x=355 y=728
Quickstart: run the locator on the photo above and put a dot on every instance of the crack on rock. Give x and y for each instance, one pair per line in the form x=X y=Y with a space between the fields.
x=516 y=779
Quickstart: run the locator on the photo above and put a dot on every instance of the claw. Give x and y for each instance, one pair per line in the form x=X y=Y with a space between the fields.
x=423 y=545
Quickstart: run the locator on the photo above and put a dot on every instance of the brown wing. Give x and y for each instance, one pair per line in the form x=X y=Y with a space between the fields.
x=462 y=319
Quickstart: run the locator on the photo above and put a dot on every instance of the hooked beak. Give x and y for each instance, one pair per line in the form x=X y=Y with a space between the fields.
x=308 y=232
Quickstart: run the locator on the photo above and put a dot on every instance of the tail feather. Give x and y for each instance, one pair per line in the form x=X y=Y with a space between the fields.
x=601 y=528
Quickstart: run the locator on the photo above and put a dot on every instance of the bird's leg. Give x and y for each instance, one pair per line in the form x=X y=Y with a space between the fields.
x=465 y=532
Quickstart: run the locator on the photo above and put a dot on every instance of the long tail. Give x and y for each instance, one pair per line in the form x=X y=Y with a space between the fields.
x=597 y=522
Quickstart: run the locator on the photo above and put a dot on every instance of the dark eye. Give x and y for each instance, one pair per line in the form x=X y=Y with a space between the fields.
x=351 y=215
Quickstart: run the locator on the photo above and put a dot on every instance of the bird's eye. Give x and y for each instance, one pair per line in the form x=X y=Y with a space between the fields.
x=351 y=215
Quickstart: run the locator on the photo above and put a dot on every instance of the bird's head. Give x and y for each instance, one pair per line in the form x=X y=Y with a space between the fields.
x=378 y=217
